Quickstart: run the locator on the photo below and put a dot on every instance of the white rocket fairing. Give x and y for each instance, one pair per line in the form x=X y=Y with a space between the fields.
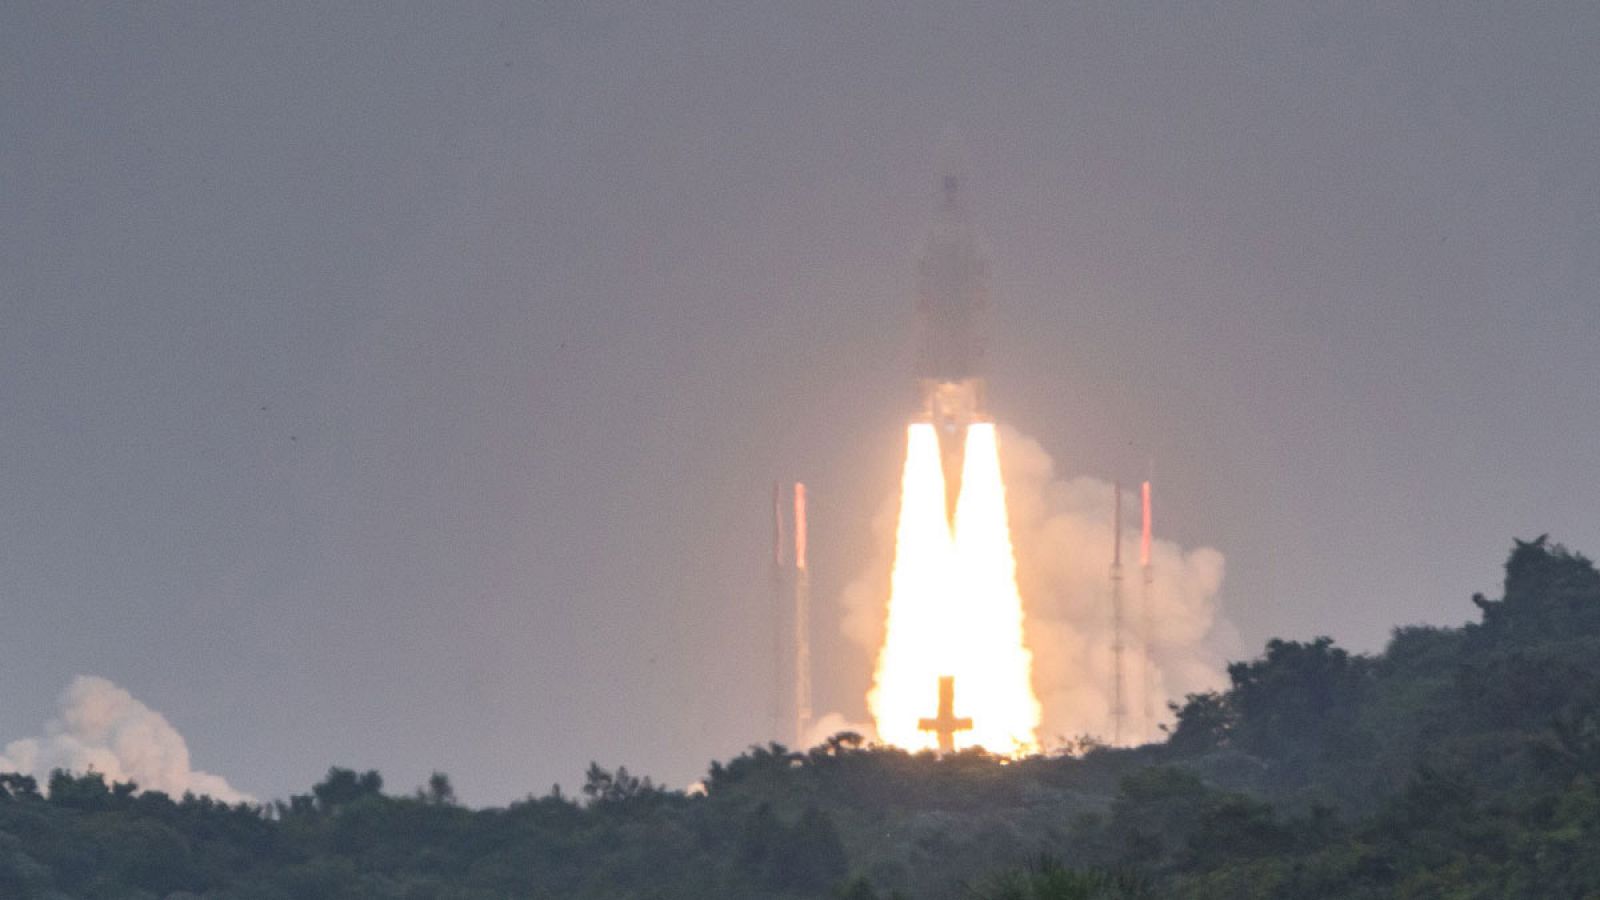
x=952 y=303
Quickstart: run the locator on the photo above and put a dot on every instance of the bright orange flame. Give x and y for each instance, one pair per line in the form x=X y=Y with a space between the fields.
x=919 y=640
x=954 y=608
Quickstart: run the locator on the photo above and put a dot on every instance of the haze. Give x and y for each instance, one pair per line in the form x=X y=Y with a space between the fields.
x=400 y=387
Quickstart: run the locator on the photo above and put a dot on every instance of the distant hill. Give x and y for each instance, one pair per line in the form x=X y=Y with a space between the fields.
x=1459 y=763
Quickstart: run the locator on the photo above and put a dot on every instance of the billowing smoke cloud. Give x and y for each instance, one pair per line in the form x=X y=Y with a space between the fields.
x=102 y=726
x=1174 y=645
x=831 y=724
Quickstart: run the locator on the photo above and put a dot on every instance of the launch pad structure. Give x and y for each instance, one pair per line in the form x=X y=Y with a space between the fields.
x=802 y=621
x=1119 y=708
x=779 y=593
x=1147 y=579
x=791 y=588
x=945 y=724
x=1143 y=626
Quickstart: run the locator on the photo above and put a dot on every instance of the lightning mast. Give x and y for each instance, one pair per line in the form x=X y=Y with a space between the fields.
x=780 y=598
x=1147 y=578
x=1119 y=710
x=802 y=622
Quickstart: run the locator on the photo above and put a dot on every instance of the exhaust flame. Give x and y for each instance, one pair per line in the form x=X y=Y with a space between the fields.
x=954 y=607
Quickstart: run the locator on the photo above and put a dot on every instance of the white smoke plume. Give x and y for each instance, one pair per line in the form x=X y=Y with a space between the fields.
x=1062 y=533
x=831 y=724
x=101 y=726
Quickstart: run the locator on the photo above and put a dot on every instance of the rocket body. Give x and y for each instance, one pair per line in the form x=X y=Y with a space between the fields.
x=952 y=307
x=955 y=612
x=952 y=290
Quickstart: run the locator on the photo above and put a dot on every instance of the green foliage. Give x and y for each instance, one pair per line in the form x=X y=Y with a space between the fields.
x=15 y=787
x=438 y=791
x=1047 y=879
x=344 y=787
x=1205 y=722
x=607 y=790
x=86 y=792
x=1550 y=593
x=1459 y=763
x=1298 y=706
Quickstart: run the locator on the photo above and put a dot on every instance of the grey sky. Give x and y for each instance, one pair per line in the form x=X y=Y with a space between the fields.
x=400 y=387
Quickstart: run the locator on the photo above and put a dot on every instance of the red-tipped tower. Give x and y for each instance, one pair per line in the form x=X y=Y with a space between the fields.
x=1144 y=535
x=1147 y=579
x=802 y=621
x=1119 y=708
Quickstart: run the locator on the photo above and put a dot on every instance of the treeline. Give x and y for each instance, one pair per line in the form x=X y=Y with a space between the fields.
x=1459 y=763
x=347 y=839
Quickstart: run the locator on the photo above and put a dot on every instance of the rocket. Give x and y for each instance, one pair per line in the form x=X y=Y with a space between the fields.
x=952 y=303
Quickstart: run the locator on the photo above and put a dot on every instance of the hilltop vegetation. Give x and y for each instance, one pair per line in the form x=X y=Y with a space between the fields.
x=1459 y=763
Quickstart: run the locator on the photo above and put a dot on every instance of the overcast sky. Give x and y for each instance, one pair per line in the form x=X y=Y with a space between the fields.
x=400 y=386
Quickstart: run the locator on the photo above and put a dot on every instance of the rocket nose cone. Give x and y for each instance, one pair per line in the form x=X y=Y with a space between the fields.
x=950 y=162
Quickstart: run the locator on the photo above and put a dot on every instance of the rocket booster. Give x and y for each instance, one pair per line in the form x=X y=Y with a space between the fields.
x=952 y=303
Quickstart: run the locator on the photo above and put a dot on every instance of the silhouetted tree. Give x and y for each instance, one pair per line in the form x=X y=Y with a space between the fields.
x=87 y=791
x=1460 y=762
x=1289 y=704
x=343 y=787
x=1202 y=723
x=438 y=791
x=16 y=786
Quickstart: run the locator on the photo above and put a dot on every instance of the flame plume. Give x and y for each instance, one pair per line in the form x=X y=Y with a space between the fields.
x=954 y=607
x=918 y=639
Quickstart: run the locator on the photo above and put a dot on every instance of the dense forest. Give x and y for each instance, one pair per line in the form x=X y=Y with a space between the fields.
x=1459 y=763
